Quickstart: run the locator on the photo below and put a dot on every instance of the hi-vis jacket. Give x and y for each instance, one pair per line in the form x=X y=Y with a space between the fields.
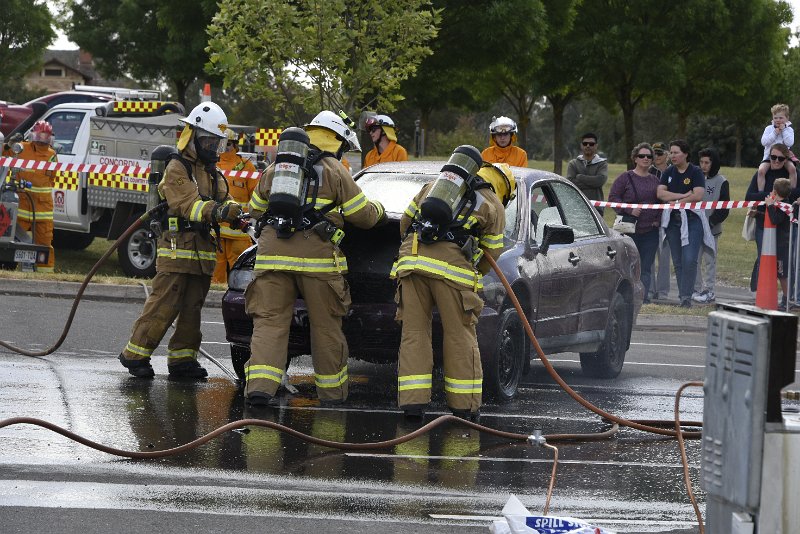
x=240 y=188
x=393 y=152
x=42 y=182
x=305 y=252
x=445 y=260
x=511 y=154
x=195 y=251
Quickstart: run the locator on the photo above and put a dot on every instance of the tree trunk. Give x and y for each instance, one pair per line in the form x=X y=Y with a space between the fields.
x=181 y=86
x=628 y=108
x=559 y=104
x=738 y=146
x=683 y=121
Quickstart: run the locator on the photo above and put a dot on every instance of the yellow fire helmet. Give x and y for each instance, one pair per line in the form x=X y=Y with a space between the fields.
x=501 y=178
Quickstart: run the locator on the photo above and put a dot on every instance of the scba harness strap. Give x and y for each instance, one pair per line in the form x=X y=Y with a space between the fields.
x=455 y=232
x=311 y=216
x=181 y=224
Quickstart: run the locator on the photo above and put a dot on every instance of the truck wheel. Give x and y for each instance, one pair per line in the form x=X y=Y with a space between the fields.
x=137 y=254
x=502 y=375
x=607 y=362
x=65 y=239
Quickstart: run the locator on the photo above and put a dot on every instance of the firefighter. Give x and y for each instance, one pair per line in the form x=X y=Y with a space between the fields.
x=39 y=215
x=233 y=241
x=301 y=203
x=381 y=131
x=441 y=264
x=198 y=201
x=501 y=149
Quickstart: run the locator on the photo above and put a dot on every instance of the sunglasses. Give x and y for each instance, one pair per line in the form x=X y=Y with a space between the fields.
x=773 y=157
x=660 y=152
x=589 y=143
x=643 y=156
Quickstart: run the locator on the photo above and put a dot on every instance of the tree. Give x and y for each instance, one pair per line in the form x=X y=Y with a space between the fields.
x=25 y=33
x=352 y=55
x=150 y=40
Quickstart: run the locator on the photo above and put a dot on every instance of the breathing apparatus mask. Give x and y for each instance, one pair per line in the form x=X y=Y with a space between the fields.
x=289 y=183
x=208 y=146
x=452 y=190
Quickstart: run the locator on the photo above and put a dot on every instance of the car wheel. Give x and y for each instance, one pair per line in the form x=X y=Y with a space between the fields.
x=502 y=375
x=71 y=240
x=137 y=254
x=607 y=362
x=239 y=356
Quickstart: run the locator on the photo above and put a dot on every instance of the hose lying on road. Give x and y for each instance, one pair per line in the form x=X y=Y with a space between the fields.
x=132 y=228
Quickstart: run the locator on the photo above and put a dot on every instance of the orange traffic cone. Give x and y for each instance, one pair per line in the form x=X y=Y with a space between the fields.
x=206 y=93
x=767 y=289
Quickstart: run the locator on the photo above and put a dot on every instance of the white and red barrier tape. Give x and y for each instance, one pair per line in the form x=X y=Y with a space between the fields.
x=119 y=170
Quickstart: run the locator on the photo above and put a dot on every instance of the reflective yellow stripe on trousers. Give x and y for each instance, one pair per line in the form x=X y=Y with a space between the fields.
x=407 y=382
x=252 y=372
x=455 y=385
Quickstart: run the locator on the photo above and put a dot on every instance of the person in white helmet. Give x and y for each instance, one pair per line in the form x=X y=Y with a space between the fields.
x=198 y=200
x=300 y=204
x=501 y=149
x=382 y=132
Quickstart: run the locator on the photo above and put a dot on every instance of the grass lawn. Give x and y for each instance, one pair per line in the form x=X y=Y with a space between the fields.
x=734 y=263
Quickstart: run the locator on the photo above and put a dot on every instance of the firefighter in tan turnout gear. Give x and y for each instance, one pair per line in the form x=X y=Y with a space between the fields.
x=198 y=201
x=448 y=227
x=301 y=202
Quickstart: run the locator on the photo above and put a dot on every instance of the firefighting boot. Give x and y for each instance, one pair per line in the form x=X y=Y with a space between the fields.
x=138 y=368
x=414 y=411
x=187 y=369
x=258 y=399
x=467 y=415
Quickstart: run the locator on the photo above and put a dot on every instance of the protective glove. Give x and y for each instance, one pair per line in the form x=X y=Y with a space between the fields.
x=227 y=211
x=382 y=217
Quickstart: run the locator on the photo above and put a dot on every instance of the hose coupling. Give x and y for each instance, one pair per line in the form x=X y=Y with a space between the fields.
x=537 y=438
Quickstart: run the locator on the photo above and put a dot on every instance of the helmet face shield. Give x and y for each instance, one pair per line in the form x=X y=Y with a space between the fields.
x=41 y=137
x=211 y=143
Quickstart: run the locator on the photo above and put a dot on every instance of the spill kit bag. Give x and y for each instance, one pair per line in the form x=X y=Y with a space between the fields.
x=518 y=520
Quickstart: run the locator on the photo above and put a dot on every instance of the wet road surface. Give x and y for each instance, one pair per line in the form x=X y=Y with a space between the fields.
x=454 y=479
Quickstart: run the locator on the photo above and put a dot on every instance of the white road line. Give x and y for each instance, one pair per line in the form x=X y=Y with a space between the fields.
x=673 y=346
x=518 y=460
x=213 y=322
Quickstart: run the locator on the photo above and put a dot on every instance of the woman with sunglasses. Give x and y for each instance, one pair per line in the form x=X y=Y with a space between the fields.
x=760 y=188
x=638 y=186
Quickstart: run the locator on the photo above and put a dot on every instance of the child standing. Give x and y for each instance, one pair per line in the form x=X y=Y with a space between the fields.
x=780 y=191
x=716 y=190
x=779 y=131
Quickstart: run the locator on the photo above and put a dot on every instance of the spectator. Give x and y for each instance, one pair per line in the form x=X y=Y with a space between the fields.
x=779 y=131
x=716 y=190
x=501 y=149
x=687 y=229
x=589 y=171
x=781 y=190
x=759 y=189
x=663 y=274
x=639 y=186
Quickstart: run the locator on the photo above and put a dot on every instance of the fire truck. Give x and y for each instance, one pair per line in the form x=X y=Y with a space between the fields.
x=106 y=151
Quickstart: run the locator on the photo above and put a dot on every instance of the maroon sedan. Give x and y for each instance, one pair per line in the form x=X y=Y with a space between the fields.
x=16 y=114
x=576 y=279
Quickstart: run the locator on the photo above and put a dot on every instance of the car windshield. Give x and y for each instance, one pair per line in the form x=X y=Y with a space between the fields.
x=393 y=190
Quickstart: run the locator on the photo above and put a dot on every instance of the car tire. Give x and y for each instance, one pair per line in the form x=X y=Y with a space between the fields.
x=502 y=375
x=607 y=362
x=137 y=254
x=239 y=356
x=64 y=239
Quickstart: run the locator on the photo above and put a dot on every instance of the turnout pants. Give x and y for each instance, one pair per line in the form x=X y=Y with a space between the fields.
x=459 y=310
x=174 y=295
x=270 y=300
x=231 y=250
x=43 y=235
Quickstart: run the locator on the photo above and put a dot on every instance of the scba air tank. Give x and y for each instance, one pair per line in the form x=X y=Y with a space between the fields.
x=289 y=184
x=453 y=182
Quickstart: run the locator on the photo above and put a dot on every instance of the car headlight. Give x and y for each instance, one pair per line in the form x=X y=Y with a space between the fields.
x=239 y=279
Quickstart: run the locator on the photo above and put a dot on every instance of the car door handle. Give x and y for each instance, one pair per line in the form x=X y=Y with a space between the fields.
x=573 y=259
x=611 y=253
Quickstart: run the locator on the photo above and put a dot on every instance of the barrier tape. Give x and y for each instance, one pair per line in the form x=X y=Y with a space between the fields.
x=116 y=170
x=718 y=204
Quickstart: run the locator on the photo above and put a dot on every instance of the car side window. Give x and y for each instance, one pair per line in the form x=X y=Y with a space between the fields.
x=512 y=212
x=543 y=212
x=578 y=213
x=65 y=128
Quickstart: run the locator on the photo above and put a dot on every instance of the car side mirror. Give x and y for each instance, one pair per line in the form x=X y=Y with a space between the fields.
x=556 y=234
x=58 y=147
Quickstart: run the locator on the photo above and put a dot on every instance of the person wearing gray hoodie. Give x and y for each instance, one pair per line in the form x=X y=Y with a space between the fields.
x=716 y=190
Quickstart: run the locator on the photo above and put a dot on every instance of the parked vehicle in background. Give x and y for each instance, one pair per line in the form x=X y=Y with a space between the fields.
x=577 y=281
x=16 y=114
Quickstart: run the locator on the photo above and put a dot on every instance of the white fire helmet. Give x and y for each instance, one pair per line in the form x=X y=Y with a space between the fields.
x=208 y=121
x=502 y=125
x=336 y=124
